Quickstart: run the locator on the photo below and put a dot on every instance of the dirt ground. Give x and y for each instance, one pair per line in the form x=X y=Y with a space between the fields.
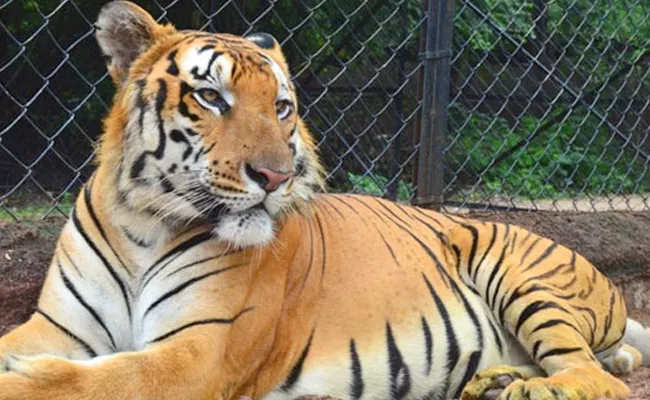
x=618 y=243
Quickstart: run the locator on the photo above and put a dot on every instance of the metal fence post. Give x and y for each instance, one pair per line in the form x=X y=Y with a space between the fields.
x=435 y=90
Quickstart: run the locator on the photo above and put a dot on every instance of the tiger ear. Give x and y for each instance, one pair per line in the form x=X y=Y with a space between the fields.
x=124 y=31
x=270 y=46
x=263 y=40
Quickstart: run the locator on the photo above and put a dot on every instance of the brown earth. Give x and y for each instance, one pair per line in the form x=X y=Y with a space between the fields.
x=618 y=243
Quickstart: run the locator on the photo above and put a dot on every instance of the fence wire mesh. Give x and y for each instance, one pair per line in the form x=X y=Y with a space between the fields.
x=549 y=105
x=548 y=102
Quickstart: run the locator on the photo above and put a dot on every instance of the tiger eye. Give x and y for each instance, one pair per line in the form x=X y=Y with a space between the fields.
x=209 y=95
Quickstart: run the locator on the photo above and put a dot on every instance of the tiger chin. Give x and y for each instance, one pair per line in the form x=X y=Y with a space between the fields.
x=198 y=263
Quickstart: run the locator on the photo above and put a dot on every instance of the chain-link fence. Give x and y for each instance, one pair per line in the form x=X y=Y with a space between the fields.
x=535 y=104
x=549 y=105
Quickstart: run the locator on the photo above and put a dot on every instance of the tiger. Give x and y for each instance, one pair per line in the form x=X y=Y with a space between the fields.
x=203 y=259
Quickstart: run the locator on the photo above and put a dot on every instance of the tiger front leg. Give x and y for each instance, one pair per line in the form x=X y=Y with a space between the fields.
x=40 y=335
x=183 y=368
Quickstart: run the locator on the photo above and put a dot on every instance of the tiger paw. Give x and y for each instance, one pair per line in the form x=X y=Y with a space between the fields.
x=489 y=384
x=39 y=377
x=570 y=384
x=624 y=360
x=42 y=367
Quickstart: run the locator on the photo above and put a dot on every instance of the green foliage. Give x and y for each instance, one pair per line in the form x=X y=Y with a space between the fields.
x=591 y=47
x=34 y=209
x=586 y=41
x=378 y=185
x=578 y=155
x=622 y=21
x=512 y=16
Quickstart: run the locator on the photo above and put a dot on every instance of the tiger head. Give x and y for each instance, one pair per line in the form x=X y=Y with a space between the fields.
x=204 y=127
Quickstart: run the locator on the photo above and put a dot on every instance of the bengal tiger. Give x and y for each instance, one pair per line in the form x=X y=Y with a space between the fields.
x=199 y=262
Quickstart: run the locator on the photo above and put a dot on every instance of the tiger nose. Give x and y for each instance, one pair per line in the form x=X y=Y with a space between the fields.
x=267 y=178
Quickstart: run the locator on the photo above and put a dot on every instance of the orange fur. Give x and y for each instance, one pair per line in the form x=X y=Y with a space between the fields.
x=354 y=296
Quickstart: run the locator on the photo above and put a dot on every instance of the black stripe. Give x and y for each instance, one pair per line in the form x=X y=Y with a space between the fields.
x=152 y=276
x=195 y=71
x=206 y=47
x=294 y=375
x=428 y=344
x=186 y=245
x=517 y=294
x=391 y=212
x=593 y=324
x=555 y=322
x=311 y=252
x=472 y=253
x=70 y=286
x=138 y=165
x=609 y=318
x=177 y=136
x=327 y=208
x=496 y=335
x=495 y=271
x=93 y=216
x=92 y=353
x=345 y=203
x=233 y=73
x=493 y=239
x=166 y=184
x=559 y=352
x=513 y=243
x=441 y=269
x=133 y=239
x=426 y=215
x=136 y=169
x=551 y=273
x=614 y=343
x=141 y=104
x=400 y=377
x=325 y=200
x=74 y=265
x=173 y=67
x=529 y=249
x=322 y=242
x=567 y=285
x=383 y=238
x=533 y=308
x=497 y=290
x=472 y=366
x=355 y=198
x=185 y=285
x=107 y=265
x=218 y=321
x=536 y=347
x=356 y=388
x=453 y=351
x=182 y=105
x=436 y=232
x=549 y=250
x=198 y=262
x=161 y=97
x=470 y=311
x=388 y=246
x=475 y=358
